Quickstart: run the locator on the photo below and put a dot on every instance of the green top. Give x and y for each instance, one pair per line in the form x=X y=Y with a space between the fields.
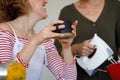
x=105 y=26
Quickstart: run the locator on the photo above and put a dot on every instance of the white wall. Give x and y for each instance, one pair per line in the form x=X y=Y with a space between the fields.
x=53 y=10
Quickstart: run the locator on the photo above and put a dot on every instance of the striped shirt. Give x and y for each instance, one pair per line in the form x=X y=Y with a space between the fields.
x=56 y=64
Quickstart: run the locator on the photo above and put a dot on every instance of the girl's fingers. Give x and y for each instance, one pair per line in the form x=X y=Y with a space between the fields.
x=75 y=23
x=56 y=22
x=74 y=33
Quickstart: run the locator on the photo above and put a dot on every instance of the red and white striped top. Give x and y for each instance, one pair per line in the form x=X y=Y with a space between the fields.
x=56 y=64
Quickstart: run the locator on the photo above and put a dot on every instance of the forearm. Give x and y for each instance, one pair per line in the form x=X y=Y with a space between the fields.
x=28 y=50
x=56 y=64
x=70 y=66
x=67 y=55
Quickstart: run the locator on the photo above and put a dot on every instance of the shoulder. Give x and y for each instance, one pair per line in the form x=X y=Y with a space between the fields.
x=6 y=32
x=113 y=5
x=114 y=2
x=68 y=10
x=67 y=7
x=5 y=27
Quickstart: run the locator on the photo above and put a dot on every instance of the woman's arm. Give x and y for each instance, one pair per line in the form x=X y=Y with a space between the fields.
x=61 y=68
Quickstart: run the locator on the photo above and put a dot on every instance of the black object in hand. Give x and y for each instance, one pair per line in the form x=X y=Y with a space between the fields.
x=66 y=31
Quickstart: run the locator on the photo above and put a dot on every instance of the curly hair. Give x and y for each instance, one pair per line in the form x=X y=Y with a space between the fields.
x=11 y=9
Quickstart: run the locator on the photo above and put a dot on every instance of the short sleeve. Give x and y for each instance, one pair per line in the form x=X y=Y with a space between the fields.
x=6 y=45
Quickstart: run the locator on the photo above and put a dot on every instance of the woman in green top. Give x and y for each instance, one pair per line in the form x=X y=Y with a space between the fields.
x=94 y=16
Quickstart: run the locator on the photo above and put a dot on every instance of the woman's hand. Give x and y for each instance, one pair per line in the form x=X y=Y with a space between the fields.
x=83 y=49
x=67 y=42
x=47 y=32
x=66 y=46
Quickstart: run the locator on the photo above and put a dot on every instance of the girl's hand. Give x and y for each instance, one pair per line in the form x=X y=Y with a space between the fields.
x=67 y=42
x=47 y=32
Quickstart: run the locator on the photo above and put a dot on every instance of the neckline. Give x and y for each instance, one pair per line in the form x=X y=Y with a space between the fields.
x=88 y=20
